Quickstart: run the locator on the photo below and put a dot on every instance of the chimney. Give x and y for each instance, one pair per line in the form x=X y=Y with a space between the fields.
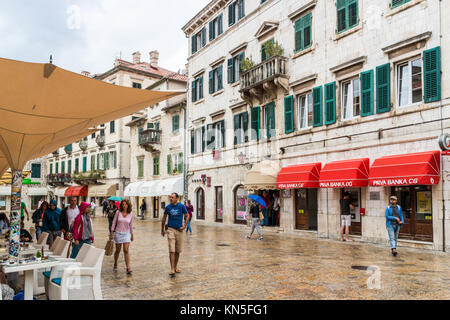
x=137 y=57
x=86 y=73
x=154 y=56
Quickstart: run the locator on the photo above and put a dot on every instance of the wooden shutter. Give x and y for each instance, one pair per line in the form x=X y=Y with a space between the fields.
x=169 y=164
x=180 y=162
x=307 y=33
x=194 y=91
x=203 y=139
x=317 y=107
x=211 y=30
x=432 y=74
x=51 y=168
x=352 y=13
x=230 y=71
x=245 y=124
x=241 y=9
x=175 y=123
x=222 y=132
x=289 y=114
x=194 y=44
x=383 y=88
x=298 y=27
x=192 y=142
x=211 y=81
x=255 y=122
x=220 y=24
x=106 y=160
x=92 y=163
x=204 y=36
x=237 y=125
x=219 y=77
x=140 y=130
x=231 y=14
x=200 y=87
x=84 y=164
x=330 y=103
x=367 y=93
x=115 y=159
x=210 y=138
x=341 y=15
x=270 y=119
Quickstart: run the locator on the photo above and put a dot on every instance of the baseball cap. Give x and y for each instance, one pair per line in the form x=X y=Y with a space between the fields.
x=393 y=197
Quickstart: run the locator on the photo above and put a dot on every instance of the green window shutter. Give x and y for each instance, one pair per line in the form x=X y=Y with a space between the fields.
x=353 y=16
x=289 y=114
x=303 y=32
x=222 y=132
x=175 y=123
x=180 y=162
x=270 y=119
x=432 y=74
x=84 y=164
x=140 y=168
x=210 y=138
x=106 y=161
x=263 y=53
x=115 y=159
x=230 y=71
x=397 y=3
x=307 y=32
x=194 y=91
x=211 y=81
x=383 y=88
x=317 y=107
x=330 y=103
x=255 y=122
x=237 y=125
x=169 y=164
x=192 y=142
x=245 y=124
x=203 y=139
x=211 y=30
x=367 y=93
x=63 y=167
x=92 y=163
x=98 y=162
x=36 y=170
x=298 y=34
x=341 y=15
x=200 y=88
x=204 y=36
x=194 y=44
x=231 y=14
x=51 y=168
x=156 y=166
x=220 y=78
x=57 y=167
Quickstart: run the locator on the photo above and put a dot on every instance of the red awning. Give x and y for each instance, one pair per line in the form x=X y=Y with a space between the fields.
x=345 y=174
x=78 y=191
x=299 y=176
x=407 y=170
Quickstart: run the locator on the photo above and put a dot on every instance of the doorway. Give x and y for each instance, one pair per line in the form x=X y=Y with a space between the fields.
x=219 y=204
x=156 y=203
x=416 y=204
x=306 y=209
x=355 y=196
x=200 y=201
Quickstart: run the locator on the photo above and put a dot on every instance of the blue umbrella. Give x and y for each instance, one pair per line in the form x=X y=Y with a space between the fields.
x=115 y=198
x=259 y=200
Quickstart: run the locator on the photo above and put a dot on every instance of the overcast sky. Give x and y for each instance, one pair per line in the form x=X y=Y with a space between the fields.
x=90 y=34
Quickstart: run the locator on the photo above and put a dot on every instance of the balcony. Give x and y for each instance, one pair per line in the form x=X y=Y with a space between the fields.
x=60 y=179
x=89 y=177
x=150 y=140
x=264 y=79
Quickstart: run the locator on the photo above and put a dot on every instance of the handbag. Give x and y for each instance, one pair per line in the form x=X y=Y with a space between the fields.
x=109 y=247
x=261 y=216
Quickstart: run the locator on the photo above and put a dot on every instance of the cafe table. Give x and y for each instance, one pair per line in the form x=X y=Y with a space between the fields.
x=28 y=269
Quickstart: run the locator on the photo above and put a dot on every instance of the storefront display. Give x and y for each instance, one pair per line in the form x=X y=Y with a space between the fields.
x=241 y=202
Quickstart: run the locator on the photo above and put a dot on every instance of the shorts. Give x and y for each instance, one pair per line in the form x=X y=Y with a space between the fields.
x=346 y=220
x=175 y=238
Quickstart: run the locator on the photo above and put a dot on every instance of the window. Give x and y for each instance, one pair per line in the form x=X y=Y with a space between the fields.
x=347 y=14
x=84 y=164
x=69 y=166
x=409 y=82
x=51 y=168
x=215 y=135
x=77 y=165
x=241 y=128
x=156 y=166
x=305 y=111
x=199 y=40
x=140 y=168
x=398 y=3
x=303 y=33
x=57 y=167
x=234 y=67
x=175 y=123
x=137 y=85
x=112 y=127
x=269 y=115
x=63 y=167
x=216 y=27
x=219 y=204
x=215 y=79
x=93 y=136
x=351 y=97
x=255 y=122
x=106 y=163
x=197 y=140
x=236 y=11
x=36 y=171
x=197 y=89
x=264 y=56
x=112 y=160
x=93 y=163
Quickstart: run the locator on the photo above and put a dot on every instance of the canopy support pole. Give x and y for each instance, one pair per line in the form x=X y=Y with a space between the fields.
x=14 y=226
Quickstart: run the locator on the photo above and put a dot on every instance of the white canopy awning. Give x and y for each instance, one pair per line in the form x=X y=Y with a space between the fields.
x=169 y=186
x=148 y=188
x=37 y=191
x=102 y=191
x=60 y=191
x=132 y=189
x=5 y=191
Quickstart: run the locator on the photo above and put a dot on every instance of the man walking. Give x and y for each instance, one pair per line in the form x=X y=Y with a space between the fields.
x=254 y=211
x=394 y=221
x=346 y=218
x=176 y=212
x=266 y=199
x=23 y=207
x=143 y=209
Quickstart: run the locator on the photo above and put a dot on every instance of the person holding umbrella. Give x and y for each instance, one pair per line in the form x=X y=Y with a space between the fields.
x=256 y=201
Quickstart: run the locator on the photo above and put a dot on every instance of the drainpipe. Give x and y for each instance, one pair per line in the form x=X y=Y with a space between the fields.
x=442 y=132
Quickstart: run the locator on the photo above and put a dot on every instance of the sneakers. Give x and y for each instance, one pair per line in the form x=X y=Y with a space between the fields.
x=394 y=252
x=260 y=238
x=248 y=237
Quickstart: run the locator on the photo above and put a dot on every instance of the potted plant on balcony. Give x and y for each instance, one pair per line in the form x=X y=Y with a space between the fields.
x=273 y=49
x=247 y=63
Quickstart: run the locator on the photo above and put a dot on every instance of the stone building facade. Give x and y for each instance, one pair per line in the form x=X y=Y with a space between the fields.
x=325 y=81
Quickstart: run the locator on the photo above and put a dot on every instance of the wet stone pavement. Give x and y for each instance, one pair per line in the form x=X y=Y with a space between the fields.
x=220 y=263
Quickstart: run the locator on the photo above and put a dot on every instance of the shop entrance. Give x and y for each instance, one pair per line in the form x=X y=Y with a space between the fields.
x=306 y=209
x=156 y=204
x=200 y=199
x=416 y=204
x=355 y=196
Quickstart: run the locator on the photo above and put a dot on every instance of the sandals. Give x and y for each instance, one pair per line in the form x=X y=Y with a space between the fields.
x=115 y=267
x=129 y=272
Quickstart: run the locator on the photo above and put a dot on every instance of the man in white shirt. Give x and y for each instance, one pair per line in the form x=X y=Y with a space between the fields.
x=93 y=208
x=72 y=212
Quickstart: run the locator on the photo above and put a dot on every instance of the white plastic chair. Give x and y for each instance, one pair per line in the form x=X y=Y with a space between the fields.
x=42 y=241
x=79 y=281
x=60 y=249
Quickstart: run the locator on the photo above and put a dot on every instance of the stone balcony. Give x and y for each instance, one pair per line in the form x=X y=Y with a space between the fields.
x=150 y=140
x=89 y=177
x=264 y=79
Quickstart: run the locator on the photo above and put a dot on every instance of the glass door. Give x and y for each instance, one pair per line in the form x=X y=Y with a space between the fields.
x=219 y=204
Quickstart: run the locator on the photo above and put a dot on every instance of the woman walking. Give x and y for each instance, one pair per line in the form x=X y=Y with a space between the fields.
x=38 y=217
x=51 y=222
x=394 y=221
x=83 y=229
x=122 y=232
x=111 y=213
x=190 y=209
x=254 y=211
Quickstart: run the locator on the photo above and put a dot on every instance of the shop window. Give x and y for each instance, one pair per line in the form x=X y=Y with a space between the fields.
x=241 y=203
x=409 y=82
x=305 y=111
x=219 y=204
x=351 y=97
